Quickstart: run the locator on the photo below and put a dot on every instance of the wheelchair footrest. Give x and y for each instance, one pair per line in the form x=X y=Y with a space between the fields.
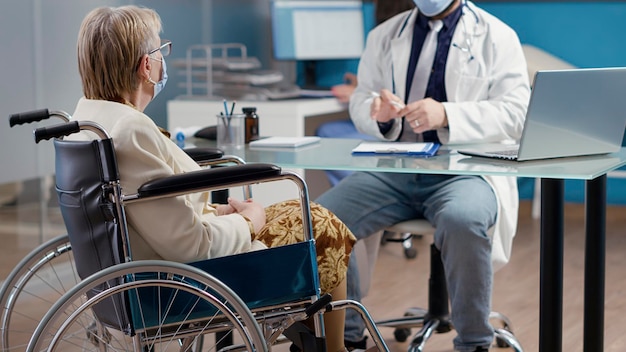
x=304 y=340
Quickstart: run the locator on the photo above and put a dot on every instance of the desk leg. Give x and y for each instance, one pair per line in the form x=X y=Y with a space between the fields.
x=595 y=259
x=551 y=266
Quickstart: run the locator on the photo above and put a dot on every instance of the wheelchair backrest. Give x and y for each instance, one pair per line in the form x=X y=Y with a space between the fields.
x=85 y=171
x=88 y=215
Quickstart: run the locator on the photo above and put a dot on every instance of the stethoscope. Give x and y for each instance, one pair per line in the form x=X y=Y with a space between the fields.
x=465 y=47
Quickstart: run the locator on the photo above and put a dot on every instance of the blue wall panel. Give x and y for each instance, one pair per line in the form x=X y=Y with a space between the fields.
x=587 y=34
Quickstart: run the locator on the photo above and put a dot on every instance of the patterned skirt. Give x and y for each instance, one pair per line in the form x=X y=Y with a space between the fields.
x=333 y=240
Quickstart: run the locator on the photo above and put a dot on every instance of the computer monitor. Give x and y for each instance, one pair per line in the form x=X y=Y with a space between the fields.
x=317 y=29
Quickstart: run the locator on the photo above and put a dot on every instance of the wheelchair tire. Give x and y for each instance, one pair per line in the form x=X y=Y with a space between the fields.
x=38 y=280
x=157 y=284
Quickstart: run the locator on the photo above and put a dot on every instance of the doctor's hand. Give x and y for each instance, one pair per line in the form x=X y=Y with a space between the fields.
x=385 y=106
x=425 y=115
x=250 y=209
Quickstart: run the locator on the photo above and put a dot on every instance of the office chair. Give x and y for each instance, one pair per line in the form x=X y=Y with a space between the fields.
x=403 y=233
x=436 y=317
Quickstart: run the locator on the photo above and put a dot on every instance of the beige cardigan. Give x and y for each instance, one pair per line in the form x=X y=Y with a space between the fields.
x=182 y=229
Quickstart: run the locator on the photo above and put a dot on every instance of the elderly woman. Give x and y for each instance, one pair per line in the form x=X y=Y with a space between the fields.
x=122 y=68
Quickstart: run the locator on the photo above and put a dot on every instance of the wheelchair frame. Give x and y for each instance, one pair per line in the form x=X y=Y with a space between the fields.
x=128 y=309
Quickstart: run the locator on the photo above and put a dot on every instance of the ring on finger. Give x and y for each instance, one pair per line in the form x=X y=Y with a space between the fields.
x=416 y=123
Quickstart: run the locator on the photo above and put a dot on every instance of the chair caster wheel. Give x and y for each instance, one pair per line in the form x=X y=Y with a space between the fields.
x=502 y=343
x=401 y=335
x=410 y=253
x=505 y=339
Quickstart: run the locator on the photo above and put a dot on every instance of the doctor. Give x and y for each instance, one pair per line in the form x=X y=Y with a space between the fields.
x=463 y=81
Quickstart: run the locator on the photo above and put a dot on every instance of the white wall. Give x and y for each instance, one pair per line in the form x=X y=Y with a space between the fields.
x=38 y=70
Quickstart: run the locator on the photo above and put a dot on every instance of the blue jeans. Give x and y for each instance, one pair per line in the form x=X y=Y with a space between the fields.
x=462 y=208
x=340 y=129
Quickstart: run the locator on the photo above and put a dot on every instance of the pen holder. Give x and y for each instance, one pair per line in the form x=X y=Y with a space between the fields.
x=230 y=131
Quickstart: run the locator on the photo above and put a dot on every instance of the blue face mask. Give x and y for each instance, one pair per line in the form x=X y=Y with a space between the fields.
x=158 y=86
x=431 y=8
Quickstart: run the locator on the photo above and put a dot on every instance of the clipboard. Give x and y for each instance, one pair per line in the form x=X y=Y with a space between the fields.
x=427 y=149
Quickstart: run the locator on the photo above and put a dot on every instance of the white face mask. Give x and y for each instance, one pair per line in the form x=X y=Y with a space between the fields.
x=432 y=8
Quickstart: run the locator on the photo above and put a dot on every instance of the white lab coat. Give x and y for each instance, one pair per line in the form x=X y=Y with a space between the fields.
x=487 y=95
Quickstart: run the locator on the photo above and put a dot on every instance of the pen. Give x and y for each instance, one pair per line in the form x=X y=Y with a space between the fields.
x=229 y=132
x=397 y=104
x=225 y=107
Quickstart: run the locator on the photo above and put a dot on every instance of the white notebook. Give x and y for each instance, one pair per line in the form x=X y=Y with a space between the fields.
x=284 y=142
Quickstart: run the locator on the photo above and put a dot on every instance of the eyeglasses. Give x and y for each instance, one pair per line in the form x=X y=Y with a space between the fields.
x=165 y=48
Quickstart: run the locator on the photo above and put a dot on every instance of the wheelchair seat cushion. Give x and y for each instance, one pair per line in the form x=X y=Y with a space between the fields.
x=333 y=239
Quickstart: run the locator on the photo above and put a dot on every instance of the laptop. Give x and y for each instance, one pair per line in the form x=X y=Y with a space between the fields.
x=571 y=112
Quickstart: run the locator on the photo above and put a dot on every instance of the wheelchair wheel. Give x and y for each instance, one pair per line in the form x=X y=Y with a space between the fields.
x=164 y=299
x=31 y=288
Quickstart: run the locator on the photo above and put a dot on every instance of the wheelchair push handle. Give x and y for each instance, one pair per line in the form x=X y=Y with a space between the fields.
x=28 y=117
x=35 y=116
x=56 y=131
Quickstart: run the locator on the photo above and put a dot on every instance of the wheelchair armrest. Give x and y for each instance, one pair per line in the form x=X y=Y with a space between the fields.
x=209 y=178
x=204 y=154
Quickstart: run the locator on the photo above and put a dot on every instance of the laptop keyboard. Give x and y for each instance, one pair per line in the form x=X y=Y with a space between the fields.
x=506 y=154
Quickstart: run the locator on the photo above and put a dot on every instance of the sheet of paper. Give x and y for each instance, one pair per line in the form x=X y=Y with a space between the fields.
x=284 y=142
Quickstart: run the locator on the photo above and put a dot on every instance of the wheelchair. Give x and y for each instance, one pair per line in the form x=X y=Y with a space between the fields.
x=48 y=272
x=119 y=304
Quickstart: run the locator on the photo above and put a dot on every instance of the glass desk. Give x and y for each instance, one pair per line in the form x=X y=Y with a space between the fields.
x=335 y=154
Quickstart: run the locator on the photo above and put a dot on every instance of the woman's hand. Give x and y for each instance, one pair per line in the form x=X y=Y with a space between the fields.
x=250 y=209
x=224 y=209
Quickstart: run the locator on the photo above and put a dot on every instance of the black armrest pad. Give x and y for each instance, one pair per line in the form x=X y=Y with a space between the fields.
x=204 y=154
x=209 y=178
x=209 y=133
